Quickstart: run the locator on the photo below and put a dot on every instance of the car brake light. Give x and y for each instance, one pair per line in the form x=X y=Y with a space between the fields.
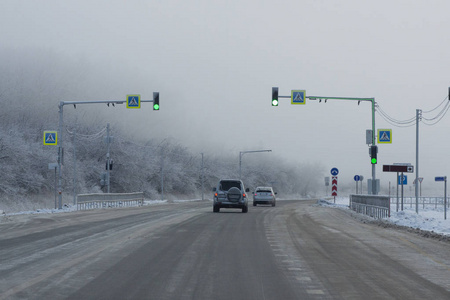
x=215 y=194
x=243 y=194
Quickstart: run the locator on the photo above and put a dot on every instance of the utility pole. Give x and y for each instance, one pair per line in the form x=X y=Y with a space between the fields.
x=418 y=117
x=203 y=198
x=108 y=159
x=162 y=176
x=75 y=166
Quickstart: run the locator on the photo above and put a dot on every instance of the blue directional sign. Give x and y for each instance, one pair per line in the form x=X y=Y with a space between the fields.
x=384 y=136
x=441 y=178
x=405 y=180
x=133 y=101
x=298 y=97
x=357 y=178
x=334 y=171
x=50 y=138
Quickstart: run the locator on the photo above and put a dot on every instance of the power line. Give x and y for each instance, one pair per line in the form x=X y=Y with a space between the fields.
x=412 y=121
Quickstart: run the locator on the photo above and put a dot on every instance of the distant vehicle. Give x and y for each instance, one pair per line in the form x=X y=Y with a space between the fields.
x=230 y=193
x=264 y=195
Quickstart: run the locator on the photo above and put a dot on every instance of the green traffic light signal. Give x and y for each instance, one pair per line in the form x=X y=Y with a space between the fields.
x=274 y=96
x=155 y=100
x=373 y=154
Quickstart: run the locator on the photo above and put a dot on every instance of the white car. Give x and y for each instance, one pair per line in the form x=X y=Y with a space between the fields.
x=264 y=195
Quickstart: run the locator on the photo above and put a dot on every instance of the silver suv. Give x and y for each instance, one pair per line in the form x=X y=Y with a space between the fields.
x=230 y=193
x=264 y=195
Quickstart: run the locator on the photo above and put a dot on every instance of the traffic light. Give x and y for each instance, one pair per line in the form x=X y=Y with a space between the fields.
x=155 y=100
x=274 y=96
x=373 y=154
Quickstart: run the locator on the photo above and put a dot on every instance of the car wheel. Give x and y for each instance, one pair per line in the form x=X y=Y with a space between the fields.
x=273 y=203
x=254 y=203
x=245 y=209
x=216 y=208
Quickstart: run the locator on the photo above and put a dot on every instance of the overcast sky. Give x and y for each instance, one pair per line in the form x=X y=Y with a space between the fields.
x=215 y=62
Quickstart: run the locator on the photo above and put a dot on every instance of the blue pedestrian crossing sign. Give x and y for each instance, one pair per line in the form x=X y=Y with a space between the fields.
x=384 y=136
x=298 y=97
x=50 y=138
x=133 y=101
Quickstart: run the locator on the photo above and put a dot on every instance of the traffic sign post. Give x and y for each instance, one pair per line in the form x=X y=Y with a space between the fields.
x=384 y=136
x=401 y=180
x=327 y=184
x=133 y=101
x=298 y=97
x=444 y=179
x=357 y=178
x=51 y=138
x=334 y=171
x=334 y=178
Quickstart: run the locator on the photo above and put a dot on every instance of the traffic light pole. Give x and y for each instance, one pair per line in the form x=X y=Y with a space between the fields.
x=372 y=100
x=60 y=133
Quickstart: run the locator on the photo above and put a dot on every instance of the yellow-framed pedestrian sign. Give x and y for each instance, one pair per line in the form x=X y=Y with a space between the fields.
x=298 y=97
x=384 y=136
x=51 y=138
x=133 y=101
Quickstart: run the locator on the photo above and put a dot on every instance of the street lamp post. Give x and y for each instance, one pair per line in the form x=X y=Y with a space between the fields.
x=241 y=153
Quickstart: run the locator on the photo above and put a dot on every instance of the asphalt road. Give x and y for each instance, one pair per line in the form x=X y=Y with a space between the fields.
x=296 y=250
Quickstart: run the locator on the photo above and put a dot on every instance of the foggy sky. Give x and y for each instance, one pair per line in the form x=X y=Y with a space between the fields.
x=215 y=62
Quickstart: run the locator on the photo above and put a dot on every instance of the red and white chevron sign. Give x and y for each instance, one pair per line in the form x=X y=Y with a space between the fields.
x=334 y=186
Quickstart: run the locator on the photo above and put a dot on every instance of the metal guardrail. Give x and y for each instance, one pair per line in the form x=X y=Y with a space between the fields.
x=423 y=200
x=372 y=205
x=110 y=200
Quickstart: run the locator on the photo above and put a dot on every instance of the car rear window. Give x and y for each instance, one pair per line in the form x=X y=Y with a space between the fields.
x=226 y=185
x=264 y=191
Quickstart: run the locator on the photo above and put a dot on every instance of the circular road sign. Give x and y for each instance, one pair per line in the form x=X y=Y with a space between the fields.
x=357 y=178
x=334 y=171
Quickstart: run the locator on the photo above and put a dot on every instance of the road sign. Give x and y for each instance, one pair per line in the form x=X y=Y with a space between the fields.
x=334 y=171
x=298 y=97
x=133 y=101
x=334 y=186
x=384 y=136
x=50 y=138
x=357 y=178
x=420 y=180
x=405 y=180
x=441 y=178
x=398 y=168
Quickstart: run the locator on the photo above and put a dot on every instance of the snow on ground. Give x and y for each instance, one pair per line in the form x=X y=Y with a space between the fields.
x=428 y=218
x=69 y=208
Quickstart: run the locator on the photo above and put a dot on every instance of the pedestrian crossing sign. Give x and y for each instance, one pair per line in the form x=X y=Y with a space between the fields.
x=133 y=101
x=298 y=97
x=384 y=136
x=50 y=138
